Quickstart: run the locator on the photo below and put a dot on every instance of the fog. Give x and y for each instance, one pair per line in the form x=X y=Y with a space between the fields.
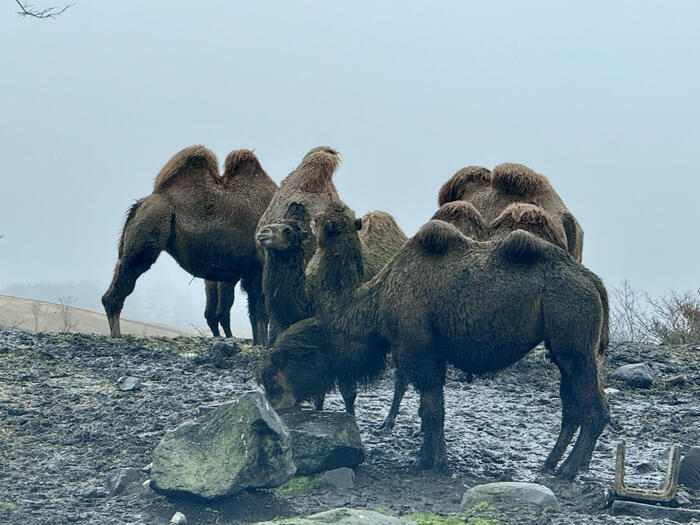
x=600 y=97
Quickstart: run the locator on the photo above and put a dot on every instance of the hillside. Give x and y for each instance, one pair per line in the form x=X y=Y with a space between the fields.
x=29 y=314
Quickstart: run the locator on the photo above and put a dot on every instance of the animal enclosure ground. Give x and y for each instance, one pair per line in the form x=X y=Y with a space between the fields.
x=64 y=426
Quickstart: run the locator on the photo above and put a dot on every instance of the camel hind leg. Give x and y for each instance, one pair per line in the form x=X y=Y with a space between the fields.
x=569 y=423
x=144 y=236
x=211 y=289
x=224 y=305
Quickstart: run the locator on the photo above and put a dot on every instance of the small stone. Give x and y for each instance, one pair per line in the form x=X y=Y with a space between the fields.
x=339 y=478
x=90 y=490
x=678 y=380
x=508 y=492
x=689 y=473
x=146 y=490
x=127 y=383
x=638 y=375
x=611 y=391
x=118 y=479
x=147 y=468
x=653 y=512
x=178 y=519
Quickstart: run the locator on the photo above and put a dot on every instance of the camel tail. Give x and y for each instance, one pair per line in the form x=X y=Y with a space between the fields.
x=131 y=212
x=605 y=329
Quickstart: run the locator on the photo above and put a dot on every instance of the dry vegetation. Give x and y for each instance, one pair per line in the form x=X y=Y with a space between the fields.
x=639 y=317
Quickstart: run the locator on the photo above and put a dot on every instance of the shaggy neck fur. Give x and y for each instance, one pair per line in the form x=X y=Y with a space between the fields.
x=283 y=284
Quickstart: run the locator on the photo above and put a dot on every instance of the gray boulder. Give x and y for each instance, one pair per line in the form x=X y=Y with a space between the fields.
x=323 y=440
x=689 y=473
x=509 y=492
x=345 y=516
x=340 y=478
x=654 y=512
x=242 y=444
x=118 y=479
x=638 y=375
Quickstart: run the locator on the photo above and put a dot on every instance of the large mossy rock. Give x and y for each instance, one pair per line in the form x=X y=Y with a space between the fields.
x=323 y=440
x=239 y=445
x=344 y=516
x=509 y=492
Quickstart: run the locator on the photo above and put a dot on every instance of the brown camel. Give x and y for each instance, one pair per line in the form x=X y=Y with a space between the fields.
x=206 y=223
x=445 y=298
x=290 y=288
x=491 y=193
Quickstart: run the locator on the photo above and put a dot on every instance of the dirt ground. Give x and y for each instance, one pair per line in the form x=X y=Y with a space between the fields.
x=64 y=426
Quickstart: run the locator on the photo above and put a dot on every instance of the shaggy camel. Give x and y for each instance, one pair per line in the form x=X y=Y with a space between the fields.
x=491 y=193
x=206 y=222
x=445 y=298
x=290 y=288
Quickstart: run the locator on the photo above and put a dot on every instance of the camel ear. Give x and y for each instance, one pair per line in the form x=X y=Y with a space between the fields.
x=358 y=224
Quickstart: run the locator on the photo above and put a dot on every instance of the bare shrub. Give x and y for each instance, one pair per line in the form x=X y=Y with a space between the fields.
x=637 y=316
x=66 y=310
x=676 y=317
x=36 y=311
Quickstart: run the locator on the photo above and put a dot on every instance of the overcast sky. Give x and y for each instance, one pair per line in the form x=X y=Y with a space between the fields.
x=601 y=97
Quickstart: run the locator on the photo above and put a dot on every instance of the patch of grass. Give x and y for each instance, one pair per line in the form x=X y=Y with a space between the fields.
x=425 y=518
x=297 y=485
x=7 y=505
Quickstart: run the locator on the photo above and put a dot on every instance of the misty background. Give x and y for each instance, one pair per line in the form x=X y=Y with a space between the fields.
x=601 y=97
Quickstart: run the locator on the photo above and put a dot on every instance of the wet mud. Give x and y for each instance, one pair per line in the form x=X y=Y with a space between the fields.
x=65 y=426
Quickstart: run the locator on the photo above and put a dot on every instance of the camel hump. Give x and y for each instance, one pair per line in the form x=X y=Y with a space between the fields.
x=194 y=161
x=518 y=179
x=241 y=162
x=531 y=218
x=438 y=237
x=522 y=247
x=454 y=188
x=317 y=169
x=377 y=221
x=460 y=211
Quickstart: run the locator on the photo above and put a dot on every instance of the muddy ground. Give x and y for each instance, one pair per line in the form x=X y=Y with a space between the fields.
x=64 y=426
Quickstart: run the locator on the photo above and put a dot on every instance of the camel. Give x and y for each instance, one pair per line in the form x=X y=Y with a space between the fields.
x=206 y=222
x=510 y=183
x=445 y=298
x=290 y=287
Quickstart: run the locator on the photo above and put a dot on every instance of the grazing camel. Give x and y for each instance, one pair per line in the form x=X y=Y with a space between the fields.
x=206 y=222
x=445 y=298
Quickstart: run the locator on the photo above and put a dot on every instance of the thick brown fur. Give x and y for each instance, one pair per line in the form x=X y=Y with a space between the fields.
x=465 y=217
x=530 y=218
x=207 y=224
x=444 y=298
x=466 y=179
x=511 y=184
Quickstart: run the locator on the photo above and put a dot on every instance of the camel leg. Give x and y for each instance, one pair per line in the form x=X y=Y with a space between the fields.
x=348 y=389
x=433 y=454
x=129 y=268
x=400 y=387
x=591 y=411
x=225 y=303
x=569 y=423
x=211 y=289
x=252 y=285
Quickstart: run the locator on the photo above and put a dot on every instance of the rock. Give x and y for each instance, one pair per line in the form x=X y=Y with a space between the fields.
x=118 y=479
x=242 y=444
x=678 y=380
x=323 y=440
x=653 y=512
x=345 y=516
x=219 y=354
x=178 y=519
x=339 y=478
x=205 y=409
x=127 y=383
x=611 y=391
x=510 y=491
x=637 y=375
x=146 y=490
x=689 y=473
x=89 y=490
x=147 y=468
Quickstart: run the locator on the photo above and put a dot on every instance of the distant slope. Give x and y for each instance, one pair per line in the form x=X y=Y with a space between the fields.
x=20 y=313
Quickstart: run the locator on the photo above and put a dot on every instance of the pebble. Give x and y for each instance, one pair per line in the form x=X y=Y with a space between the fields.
x=118 y=479
x=178 y=519
x=127 y=383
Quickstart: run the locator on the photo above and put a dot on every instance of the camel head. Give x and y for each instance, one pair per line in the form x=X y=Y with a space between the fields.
x=298 y=367
x=282 y=236
x=335 y=222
